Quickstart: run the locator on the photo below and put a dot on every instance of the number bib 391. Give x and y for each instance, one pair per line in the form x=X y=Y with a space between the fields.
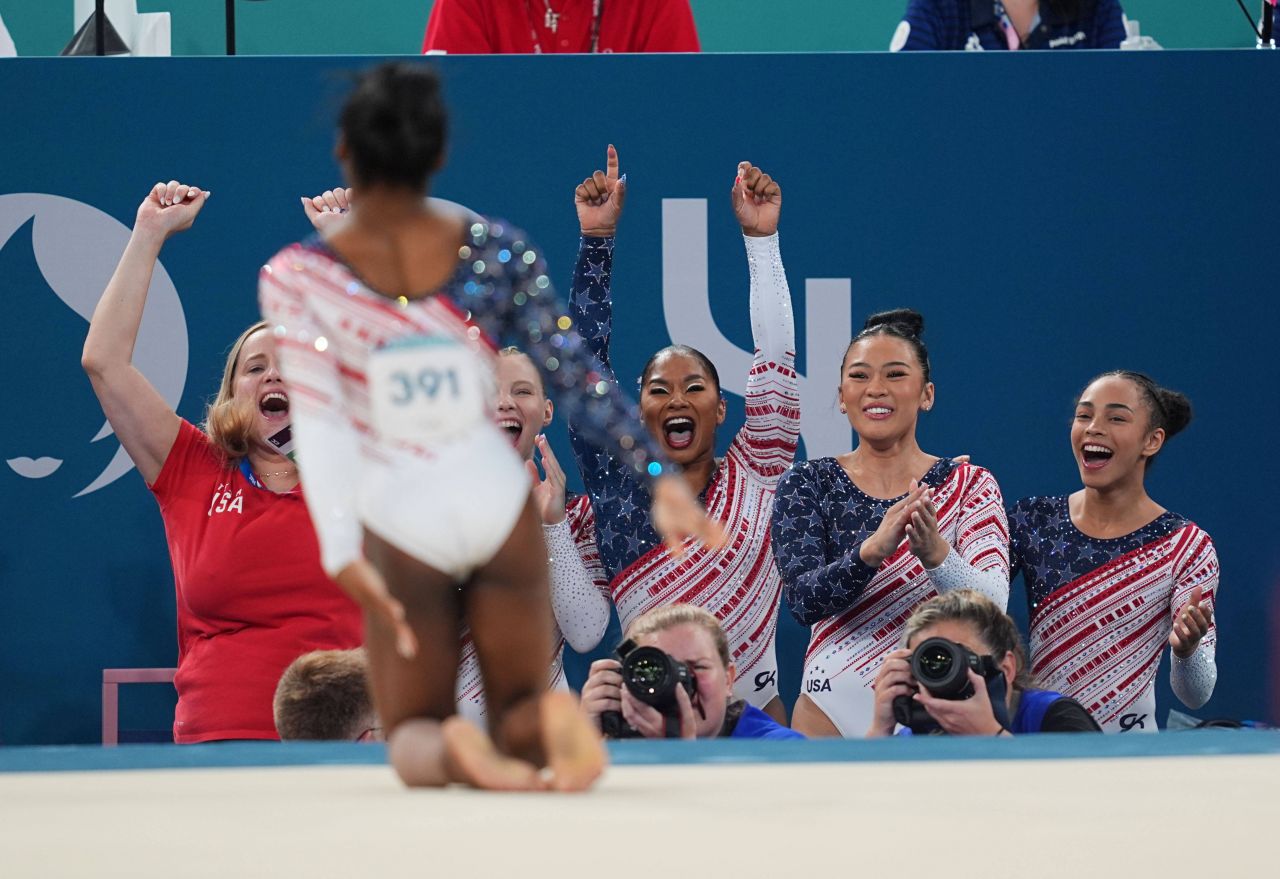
x=425 y=389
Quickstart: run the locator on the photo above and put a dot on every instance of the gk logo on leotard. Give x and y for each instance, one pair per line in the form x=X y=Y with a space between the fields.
x=813 y=685
x=766 y=679
x=1129 y=721
x=59 y=246
x=686 y=305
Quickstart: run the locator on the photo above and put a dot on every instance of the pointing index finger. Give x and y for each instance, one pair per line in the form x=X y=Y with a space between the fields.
x=611 y=163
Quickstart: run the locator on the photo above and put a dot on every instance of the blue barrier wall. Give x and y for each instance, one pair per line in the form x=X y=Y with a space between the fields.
x=1052 y=215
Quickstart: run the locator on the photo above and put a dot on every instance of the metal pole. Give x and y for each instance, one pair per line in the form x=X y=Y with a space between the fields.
x=100 y=27
x=231 y=27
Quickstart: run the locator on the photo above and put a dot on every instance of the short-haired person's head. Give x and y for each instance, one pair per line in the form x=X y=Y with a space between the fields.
x=695 y=637
x=393 y=126
x=241 y=411
x=680 y=402
x=975 y=621
x=523 y=408
x=324 y=696
x=885 y=376
x=1122 y=421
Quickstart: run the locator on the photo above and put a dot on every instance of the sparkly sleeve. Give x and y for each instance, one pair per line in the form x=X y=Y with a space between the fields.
x=1194 y=678
x=513 y=301
x=590 y=302
x=581 y=611
x=815 y=587
x=327 y=443
x=771 y=433
x=979 y=560
x=591 y=309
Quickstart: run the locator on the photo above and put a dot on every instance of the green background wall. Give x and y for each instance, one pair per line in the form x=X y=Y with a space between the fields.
x=389 y=27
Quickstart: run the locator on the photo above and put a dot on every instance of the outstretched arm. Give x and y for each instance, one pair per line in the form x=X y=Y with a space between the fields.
x=598 y=201
x=140 y=417
x=772 y=430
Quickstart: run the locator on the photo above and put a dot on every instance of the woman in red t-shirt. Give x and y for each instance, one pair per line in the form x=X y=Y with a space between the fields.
x=251 y=594
x=492 y=27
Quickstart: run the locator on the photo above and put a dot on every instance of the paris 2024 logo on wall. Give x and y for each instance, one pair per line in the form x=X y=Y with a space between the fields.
x=58 y=254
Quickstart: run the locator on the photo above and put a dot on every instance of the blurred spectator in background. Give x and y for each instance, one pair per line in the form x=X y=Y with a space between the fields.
x=482 y=27
x=324 y=696
x=974 y=25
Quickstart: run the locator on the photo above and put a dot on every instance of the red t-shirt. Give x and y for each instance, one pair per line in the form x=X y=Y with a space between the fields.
x=483 y=27
x=251 y=594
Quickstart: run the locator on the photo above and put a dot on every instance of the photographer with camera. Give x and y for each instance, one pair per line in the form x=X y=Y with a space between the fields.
x=963 y=672
x=673 y=679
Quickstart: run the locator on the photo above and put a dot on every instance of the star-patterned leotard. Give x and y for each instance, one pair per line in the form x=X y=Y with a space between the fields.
x=858 y=612
x=1101 y=610
x=739 y=583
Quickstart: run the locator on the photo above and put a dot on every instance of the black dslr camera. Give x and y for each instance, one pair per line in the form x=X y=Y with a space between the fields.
x=941 y=667
x=652 y=677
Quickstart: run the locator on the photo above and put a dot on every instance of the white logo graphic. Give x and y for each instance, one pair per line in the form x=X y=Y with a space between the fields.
x=77 y=247
x=686 y=304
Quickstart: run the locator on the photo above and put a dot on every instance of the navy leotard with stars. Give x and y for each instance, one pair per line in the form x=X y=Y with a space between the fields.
x=1101 y=609
x=1050 y=551
x=624 y=528
x=820 y=519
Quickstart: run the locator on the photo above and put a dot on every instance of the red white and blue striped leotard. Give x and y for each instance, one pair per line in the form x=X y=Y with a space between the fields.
x=738 y=583
x=1101 y=610
x=858 y=613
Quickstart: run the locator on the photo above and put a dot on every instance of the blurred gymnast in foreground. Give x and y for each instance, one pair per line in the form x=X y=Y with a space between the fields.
x=389 y=326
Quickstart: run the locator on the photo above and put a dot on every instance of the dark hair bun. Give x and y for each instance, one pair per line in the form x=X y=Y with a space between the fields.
x=1177 y=410
x=907 y=320
x=394 y=124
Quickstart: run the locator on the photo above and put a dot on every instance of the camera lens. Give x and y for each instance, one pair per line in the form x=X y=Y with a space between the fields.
x=935 y=662
x=646 y=672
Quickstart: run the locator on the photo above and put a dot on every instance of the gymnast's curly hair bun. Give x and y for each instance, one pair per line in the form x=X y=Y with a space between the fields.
x=910 y=321
x=1177 y=410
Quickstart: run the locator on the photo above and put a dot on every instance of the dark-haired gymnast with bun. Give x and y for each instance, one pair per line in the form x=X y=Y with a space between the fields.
x=864 y=538
x=389 y=326
x=1112 y=576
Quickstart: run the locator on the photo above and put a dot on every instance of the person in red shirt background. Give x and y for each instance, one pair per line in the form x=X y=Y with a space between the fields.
x=251 y=594
x=484 y=27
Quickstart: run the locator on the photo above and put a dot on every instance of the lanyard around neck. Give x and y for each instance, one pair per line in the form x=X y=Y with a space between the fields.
x=597 y=12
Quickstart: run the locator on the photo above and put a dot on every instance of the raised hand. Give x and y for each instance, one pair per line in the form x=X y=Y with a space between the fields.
x=1190 y=625
x=599 y=199
x=365 y=586
x=328 y=206
x=893 y=527
x=922 y=532
x=548 y=493
x=170 y=207
x=757 y=201
x=677 y=516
